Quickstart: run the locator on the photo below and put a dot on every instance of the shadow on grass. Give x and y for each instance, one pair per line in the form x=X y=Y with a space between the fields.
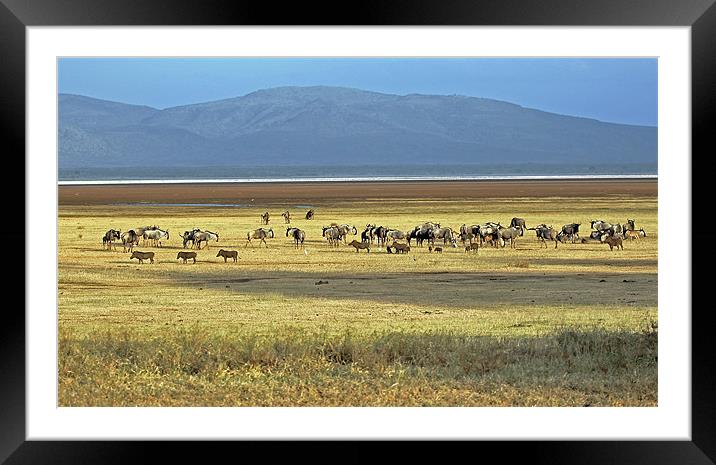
x=480 y=290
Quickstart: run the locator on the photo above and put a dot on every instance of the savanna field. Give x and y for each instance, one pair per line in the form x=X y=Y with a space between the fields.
x=323 y=326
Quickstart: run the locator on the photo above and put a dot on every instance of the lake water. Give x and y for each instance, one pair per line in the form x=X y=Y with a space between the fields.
x=162 y=175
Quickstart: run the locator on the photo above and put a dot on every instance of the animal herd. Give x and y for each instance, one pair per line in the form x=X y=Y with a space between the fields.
x=472 y=237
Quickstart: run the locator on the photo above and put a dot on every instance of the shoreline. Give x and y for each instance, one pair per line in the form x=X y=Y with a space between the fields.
x=248 y=193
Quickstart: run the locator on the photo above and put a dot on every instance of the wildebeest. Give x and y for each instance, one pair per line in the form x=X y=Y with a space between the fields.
x=109 y=237
x=380 y=234
x=130 y=239
x=446 y=234
x=488 y=229
x=332 y=235
x=141 y=230
x=156 y=235
x=600 y=225
x=286 y=217
x=367 y=234
x=261 y=234
x=509 y=234
x=398 y=247
x=205 y=236
x=188 y=236
x=309 y=214
x=360 y=245
x=346 y=229
x=186 y=256
x=141 y=256
x=571 y=230
x=298 y=236
x=613 y=241
x=228 y=254
x=546 y=233
x=519 y=223
x=265 y=218
x=394 y=234
x=468 y=233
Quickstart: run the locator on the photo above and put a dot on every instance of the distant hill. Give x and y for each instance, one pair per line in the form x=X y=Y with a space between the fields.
x=338 y=126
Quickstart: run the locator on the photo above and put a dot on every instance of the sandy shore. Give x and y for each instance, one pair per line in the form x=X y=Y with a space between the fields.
x=316 y=192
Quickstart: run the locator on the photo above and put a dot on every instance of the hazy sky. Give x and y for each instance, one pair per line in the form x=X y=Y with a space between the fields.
x=616 y=90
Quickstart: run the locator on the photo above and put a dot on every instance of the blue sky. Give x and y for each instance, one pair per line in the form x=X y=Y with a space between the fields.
x=616 y=90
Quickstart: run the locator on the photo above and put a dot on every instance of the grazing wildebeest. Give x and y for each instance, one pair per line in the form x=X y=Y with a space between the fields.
x=298 y=236
x=546 y=233
x=360 y=245
x=474 y=247
x=188 y=236
x=261 y=234
x=519 y=223
x=286 y=217
x=186 y=256
x=600 y=225
x=155 y=235
x=394 y=234
x=468 y=233
x=130 y=239
x=228 y=254
x=309 y=214
x=420 y=236
x=509 y=234
x=446 y=234
x=346 y=229
x=571 y=230
x=332 y=235
x=488 y=229
x=613 y=241
x=436 y=249
x=265 y=218
x=141 y=230
x=109 y=237
x=205 y=236
x=141 y=256
x=398 y=247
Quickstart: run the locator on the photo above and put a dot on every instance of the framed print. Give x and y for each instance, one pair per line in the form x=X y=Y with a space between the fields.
x=404 y=225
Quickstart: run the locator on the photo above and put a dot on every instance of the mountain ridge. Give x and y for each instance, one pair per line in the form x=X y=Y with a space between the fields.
x=325 y=124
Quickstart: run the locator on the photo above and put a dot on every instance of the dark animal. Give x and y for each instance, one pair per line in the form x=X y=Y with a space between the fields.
x=309 y=214
x=298 y=236
x=204 y=236
x=187 y=256
x=109 y=237
x=519 y=223
x=265 y=218
x=436 y=249
x=571 y=231
x=130 y=239
x=286 y=217
x=141 y=256
x=228 y=254
x=546 y=233
x=188 y=236
x=360 y=245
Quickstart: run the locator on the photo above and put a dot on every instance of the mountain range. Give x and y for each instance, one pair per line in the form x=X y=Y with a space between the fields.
x=338 y=126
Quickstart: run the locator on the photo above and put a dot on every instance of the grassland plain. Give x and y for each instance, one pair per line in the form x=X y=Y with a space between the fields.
x=530 y=326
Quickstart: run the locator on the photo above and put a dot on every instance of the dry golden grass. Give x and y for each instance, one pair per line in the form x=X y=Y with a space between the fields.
x=524 y=326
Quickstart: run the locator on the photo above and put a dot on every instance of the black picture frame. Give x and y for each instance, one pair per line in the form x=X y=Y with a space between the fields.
x=700 y=15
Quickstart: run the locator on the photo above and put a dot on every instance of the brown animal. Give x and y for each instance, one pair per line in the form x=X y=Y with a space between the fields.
x=228 y=254
x=187 y=256
x=436 y=249
x=141 y=256
x=474 y=247
x=614 y=241
x=360 y=245
x=265 y=218
x=399 y=248
x=631 y=234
